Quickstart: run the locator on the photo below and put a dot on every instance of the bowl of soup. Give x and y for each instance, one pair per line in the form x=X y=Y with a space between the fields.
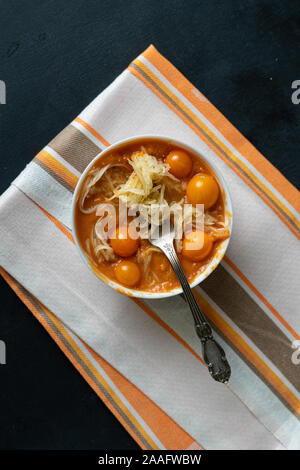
x=131 y=187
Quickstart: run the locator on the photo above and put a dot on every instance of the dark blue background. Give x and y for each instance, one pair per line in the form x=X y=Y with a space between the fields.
x=55 y=57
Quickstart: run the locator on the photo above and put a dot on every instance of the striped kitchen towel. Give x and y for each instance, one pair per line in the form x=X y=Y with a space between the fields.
x=143 y=357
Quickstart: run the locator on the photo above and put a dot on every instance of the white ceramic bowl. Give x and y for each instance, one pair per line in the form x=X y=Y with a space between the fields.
x=228 y=215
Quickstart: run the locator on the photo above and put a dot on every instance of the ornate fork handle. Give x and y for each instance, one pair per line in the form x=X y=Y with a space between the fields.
x=213 y=353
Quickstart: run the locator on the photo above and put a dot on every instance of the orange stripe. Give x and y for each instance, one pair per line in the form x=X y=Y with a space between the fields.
x=168 y=432
x=58 y=168
x=92 y=131
x=40 y=318
x=250 y=183
x=100 y=378
x=180 y=82
x=57 y=223
x=248 y=352
x=261 y=297
x=171 y=435
x=65 y=350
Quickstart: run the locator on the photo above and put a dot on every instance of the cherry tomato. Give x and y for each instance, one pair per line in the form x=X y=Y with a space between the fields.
x=197 y=245
x=128 y=273
x=202 y=189
x=122 y=244
x=180 y=163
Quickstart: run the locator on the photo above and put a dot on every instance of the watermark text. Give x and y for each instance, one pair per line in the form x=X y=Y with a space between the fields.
x=296 y=94
x=2 y=92
x=296 y=354
x=2 y=352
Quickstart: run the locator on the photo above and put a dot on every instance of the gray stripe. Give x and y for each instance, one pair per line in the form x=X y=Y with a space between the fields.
x=253 y=321
x=75 y=147
x=256 y=372
x=291 y=221
x=252 y=367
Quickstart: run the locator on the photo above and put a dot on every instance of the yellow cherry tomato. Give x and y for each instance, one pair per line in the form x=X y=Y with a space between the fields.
x=180 y=163
x=122 y=244
x=202 y=189
x=197 y=245
x=128 y=273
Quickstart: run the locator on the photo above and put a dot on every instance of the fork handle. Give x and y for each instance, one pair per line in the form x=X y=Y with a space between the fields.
x=213 y=354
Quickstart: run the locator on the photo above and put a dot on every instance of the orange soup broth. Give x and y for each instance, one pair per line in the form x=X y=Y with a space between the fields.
x=159 y=277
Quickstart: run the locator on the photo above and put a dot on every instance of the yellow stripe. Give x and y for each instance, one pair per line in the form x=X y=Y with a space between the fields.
x=233 y=157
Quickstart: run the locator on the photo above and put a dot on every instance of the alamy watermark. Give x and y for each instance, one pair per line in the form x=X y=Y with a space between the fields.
x=296 y=354
x=2 y=92
x=296 y=94
x=144 y=221
x=2 y=352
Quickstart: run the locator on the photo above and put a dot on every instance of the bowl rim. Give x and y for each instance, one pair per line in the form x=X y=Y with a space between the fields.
x=228 y=207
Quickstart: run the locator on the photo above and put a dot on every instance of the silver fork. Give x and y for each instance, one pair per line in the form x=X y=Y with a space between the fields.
x=213 y=354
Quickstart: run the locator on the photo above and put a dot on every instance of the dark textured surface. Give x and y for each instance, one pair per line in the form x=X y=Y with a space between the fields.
x=55 y=57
